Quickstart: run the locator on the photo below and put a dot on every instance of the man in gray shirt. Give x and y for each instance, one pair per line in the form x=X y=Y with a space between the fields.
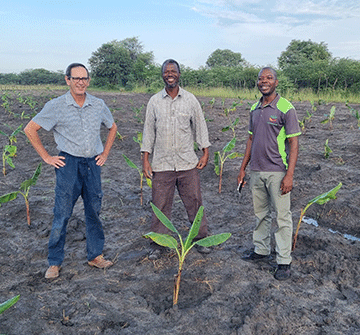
x=174 y=120
x=75 y=118
x=272 y=150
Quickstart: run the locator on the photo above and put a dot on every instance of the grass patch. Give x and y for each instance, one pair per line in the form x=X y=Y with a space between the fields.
x=325 y=96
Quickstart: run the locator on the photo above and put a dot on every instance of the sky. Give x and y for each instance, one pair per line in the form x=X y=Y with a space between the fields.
x=51 y=34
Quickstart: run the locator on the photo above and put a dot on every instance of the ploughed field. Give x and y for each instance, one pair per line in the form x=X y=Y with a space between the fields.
x=219 y=293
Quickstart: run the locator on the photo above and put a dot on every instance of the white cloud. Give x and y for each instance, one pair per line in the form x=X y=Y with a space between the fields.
x=330 y=8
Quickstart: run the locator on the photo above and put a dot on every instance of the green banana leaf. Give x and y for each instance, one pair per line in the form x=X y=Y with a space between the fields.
x=7 y=304
x=130 y=163
x=8 y=197
x=229 y=146
x=217 y=162
x=213 y=240
x=195 y=227
x=234 y=155
x=325 y=197
x=149 y=182
x=25 y=185
x=162 y=239
x=165 y=221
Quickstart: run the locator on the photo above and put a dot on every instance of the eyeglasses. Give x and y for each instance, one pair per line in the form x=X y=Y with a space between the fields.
x=78 y=79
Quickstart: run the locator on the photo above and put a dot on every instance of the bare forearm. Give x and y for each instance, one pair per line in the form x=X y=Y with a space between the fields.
x=110 y=139
x=293 y=155
x=31 y=131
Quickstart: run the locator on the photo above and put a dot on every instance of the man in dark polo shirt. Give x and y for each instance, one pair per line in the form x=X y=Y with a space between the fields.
x=75 y=118
x=272 y=150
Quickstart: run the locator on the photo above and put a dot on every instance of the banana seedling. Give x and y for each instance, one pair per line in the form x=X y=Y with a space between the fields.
x=182 y=248
x=141 y=173
x=320 y=199
x=9 y=150
x=221 y=157
x=24 y=191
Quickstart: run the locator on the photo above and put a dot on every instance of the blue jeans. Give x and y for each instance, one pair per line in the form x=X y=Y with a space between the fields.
x=79 y=176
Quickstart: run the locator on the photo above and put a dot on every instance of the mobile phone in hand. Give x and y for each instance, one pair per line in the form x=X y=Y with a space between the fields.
x=240 y=186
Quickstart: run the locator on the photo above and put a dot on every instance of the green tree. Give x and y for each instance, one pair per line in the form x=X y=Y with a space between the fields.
x=226 y=58
x=41 y=76
x=9 y=78
x=306 y=64
x=299 y=51
x=120 y=63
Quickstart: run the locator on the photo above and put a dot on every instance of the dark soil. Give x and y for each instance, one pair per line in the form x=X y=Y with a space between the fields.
x=220 y=293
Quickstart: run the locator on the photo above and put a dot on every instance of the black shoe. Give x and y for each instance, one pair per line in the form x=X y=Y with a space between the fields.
x=282 y=272
x=254 y=257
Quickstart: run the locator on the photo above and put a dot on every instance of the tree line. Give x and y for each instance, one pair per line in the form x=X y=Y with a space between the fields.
x=125 y=64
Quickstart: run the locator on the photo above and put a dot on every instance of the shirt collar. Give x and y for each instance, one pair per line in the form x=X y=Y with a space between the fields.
x=71 y=101
x=165 y=94
x=272 y=104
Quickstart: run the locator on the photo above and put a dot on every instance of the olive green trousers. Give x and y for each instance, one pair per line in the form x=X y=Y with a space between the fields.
x=265 y=187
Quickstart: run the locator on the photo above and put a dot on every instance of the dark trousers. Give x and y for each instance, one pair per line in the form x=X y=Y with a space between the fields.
x=188 y=185
x=79 y=177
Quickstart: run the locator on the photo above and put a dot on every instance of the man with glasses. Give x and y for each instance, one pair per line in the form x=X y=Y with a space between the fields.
x=75 y=119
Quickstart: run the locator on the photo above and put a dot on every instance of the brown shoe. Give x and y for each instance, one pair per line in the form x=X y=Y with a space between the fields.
x=100 y=262
x=52 y=272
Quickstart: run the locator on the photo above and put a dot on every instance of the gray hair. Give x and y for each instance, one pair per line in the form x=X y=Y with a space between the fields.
x=71 y=66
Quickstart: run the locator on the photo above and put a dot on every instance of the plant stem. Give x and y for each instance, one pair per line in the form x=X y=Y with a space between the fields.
x=177 y=286
x=27 y=210
x=221 y=172
x=298 y=227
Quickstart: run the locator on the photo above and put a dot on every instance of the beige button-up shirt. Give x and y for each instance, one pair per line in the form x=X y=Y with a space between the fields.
x=170 y=130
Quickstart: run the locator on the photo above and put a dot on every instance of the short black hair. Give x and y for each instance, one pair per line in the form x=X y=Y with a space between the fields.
x=274 y=73
x=71 y=66
x=170 y=61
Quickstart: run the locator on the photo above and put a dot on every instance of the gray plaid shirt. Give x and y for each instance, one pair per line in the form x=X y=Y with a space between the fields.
x=170 y=129
x=76 y=129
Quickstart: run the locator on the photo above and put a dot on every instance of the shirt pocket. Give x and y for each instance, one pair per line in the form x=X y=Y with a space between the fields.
x=183 y=122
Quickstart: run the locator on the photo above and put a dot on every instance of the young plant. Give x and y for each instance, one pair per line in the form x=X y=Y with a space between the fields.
x=27 y=101
x=221 y=157
x=330 y=117
x=320 y=199
x=355 y=113
x=6 y=103
x=141 y=173
x=8 y=303
x=313 y=107
x=306 y=119
x=183 y=248
x=9 y=150
x=138 y=138
x=137 y=112
x=119 y=136
x=327 y=150
x=227 y=111
x=24 y=191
